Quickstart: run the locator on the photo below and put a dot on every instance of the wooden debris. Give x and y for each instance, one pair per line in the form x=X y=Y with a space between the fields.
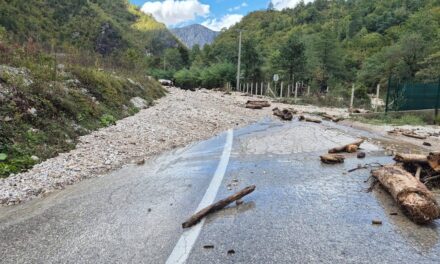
x=286 y=114
x=332 y=158
x=376 y=222
x=434 y=161
x=251 y=104
x=309 y=119
x=411 y=195
x=332 y=117
x=414 y=135
x=217 y=206
x=350 y=148
x=411 y=158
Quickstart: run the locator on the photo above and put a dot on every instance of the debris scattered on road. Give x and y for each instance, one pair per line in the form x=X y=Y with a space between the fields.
x=208 y=246
x=333 y=118
x=366 y=166
x=361 y=155
x=257 y=104
x=411 y=158
x=285 y=114
x=349 y=148
x=413 y=196
x=231 y=252
x=332 y=158
x=309 y=119
x=217 y=206
x=408 y=133
x=376 y=222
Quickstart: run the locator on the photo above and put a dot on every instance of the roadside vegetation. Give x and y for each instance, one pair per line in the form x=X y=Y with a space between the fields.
x=68 y=68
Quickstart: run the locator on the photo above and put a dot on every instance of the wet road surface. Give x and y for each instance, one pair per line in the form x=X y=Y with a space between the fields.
x=301 y=212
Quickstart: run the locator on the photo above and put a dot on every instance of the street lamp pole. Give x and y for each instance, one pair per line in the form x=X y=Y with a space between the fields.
x=239 y=62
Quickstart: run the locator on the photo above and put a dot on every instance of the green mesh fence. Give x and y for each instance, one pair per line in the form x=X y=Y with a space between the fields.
x=413 y=96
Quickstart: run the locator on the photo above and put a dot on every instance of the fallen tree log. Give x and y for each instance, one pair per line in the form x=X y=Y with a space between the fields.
x=286 y=114
x=309 y=119
x=332 y=117
x=411 y=158
x=413 y=135
x=217 y=206
x=252 y=104
x=411 y=195
x=350 y=148
x=332 y=158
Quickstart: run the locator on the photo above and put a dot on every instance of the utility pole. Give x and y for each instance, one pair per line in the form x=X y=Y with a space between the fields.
x=239 y=61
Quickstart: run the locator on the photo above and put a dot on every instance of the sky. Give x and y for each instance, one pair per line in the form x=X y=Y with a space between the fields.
x=214 y=14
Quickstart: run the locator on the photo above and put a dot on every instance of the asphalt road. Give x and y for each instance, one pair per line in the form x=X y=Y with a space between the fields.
x=301 y=212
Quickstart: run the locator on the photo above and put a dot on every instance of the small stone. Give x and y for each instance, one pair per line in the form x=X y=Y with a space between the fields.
x=231 y=252
x=427 y=144
x=361 y=155
x=108 y=162
x=35 y=158
x=239 y=202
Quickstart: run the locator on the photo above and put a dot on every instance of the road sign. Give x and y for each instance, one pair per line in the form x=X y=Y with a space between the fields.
x=276 y=78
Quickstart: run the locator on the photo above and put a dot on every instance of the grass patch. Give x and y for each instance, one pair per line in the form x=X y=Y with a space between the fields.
x=47 y=117
x=405 y=119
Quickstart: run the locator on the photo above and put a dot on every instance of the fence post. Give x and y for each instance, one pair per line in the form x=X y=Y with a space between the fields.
x=437 y=102
x=281 y=90
x=388 y=95
x=296 y=92
x=352 y=97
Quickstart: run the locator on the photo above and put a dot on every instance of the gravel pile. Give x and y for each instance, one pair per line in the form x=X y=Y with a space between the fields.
x=176 y=120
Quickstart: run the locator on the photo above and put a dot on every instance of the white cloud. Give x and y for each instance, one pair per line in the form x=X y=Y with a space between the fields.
x=225 y=22
x=281 y=4
x=173 y=12
x=235 y=8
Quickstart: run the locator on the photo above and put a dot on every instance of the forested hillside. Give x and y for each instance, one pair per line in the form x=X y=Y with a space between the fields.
x=70 y=67
x=329 y=43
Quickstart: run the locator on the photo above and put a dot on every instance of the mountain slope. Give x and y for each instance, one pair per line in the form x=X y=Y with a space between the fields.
x=104 y=26
x=195 y=34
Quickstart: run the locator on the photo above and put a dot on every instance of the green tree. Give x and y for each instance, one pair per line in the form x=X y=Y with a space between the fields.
x=172 y=59
x=290 y=58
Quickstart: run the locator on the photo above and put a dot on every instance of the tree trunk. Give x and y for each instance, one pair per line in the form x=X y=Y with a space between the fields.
x=410 y=194
x=411 y=158
x=332 y=158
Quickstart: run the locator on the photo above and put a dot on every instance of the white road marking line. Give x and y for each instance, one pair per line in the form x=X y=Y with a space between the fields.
x=187 y=240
